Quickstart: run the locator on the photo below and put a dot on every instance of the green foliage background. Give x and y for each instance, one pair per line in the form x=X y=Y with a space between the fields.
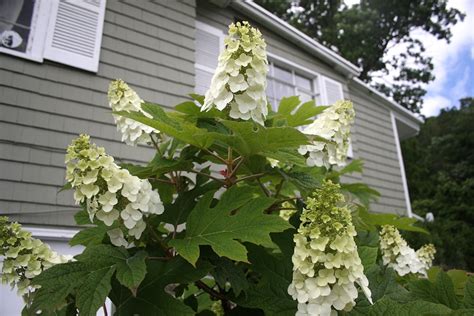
x=439 y=164
x=365 y=32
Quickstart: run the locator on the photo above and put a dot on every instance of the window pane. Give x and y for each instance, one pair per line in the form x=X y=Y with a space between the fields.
x=283 y=90
x=303 y=82
x=269 y=91
x=273 y=102
x=305 y=97
x=282 y=74
x=319 y=100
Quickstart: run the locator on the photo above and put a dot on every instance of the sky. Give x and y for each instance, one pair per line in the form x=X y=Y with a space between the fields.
x=453 y=62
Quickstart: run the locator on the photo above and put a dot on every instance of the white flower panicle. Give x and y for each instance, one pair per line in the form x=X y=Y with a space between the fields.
x=426 y=255
x=24 y=257
x=334 y=124
x=326 y=264
x=397 y=254
x=123 y=98
x=239 y=81
x=110 y=194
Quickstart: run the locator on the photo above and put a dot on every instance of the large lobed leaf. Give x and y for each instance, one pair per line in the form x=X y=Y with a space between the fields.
x=172 y=126
x=270 y=293
x=296 y=114
x=151 y=298
x=89 y=278
x=220 y=228
x=249 y=139
x=369 y=220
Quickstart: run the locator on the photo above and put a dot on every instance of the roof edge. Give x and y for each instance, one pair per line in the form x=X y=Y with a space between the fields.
x=342 y=65
x=274 y=23
x=392 y=104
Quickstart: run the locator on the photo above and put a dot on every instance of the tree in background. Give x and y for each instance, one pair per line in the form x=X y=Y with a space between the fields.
x=365 y=32
x=440 y=173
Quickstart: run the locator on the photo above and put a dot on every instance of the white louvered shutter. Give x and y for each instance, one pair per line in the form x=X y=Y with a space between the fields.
x=332 y=91
x=209 y=42
x=75 y=33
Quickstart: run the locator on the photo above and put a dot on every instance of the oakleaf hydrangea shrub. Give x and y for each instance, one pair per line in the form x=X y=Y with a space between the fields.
x=326 y=264
x=241 y=211
x=397 y=254
x=240 y=79
x=109 y=192
x=24 y=257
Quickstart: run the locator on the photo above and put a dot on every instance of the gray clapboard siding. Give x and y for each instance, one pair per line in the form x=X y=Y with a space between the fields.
x=373 y=137
x=381 y=168
x=44 y=106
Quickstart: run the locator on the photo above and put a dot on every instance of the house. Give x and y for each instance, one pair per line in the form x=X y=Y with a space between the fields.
x=58 y=56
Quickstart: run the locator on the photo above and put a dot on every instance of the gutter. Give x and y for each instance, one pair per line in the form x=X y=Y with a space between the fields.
x=272 y=22
x=340 y=64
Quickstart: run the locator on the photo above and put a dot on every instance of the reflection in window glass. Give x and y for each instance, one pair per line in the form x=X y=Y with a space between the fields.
x=283 y=83
x=15 y=24
x=305 y=97
x=282 y=74
x=283 y=90
x=302 y=82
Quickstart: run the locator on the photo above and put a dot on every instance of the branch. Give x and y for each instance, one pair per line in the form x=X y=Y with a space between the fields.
x=264 y=189
x=215 y=155
x=203 y=286
x=207 y=175
x=234 y=170
x=252 y=176
x=160 y=258
x=156 y=145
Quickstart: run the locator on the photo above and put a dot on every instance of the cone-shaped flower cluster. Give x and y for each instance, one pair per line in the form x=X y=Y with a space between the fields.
x=326 y=265
x=426 y=255
x=110 y=193
x=123 y=98
x=24 y=257
x=397 y=254
x=334 y=124
x=239 y=81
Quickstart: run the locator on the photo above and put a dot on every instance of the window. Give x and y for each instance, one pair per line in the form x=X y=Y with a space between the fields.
x=284 y=81
x=285 y=78
x=68 y=32
x=209 y=43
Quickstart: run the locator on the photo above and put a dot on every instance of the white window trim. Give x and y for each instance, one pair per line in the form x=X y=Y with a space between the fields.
x=58 y=234
x=62 y=234
x=402 y=165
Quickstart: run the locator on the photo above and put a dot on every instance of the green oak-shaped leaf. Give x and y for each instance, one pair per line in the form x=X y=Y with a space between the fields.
x=56 y=284
x=151 y=298
x=296 y=114
x=94 y=290
x=132 y=271
x=270 y=294
x=237 y=216
x=250 y=139
x=171 y=124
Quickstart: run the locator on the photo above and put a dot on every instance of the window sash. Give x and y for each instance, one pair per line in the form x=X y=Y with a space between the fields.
x=273 y=78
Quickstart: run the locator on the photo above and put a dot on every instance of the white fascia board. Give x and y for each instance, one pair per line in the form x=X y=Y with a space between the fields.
x=402 y=165
x=51 y=233
x=253 y=10
x=276 y=24
x=389 y=103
